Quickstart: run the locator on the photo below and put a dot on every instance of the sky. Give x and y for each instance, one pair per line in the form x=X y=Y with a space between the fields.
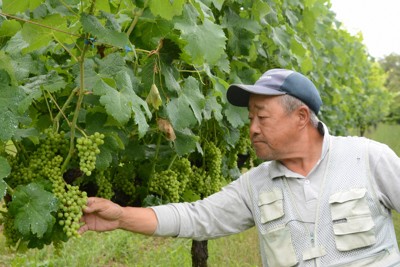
x=378 y=20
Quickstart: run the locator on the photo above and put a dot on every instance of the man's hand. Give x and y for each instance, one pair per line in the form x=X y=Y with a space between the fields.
x=101 y=215
x=104 y=215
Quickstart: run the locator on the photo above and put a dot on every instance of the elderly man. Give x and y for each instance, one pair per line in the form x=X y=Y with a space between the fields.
x=317 y=200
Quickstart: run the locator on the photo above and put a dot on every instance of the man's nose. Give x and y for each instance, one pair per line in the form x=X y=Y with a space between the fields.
x=254 y=127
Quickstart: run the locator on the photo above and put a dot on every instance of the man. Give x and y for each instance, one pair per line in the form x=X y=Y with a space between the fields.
x=317 y=200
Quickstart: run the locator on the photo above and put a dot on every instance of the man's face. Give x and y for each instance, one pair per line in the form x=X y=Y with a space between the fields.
x=272 y=129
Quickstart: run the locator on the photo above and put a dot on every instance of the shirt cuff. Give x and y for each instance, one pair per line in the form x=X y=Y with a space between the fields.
x=168 y=220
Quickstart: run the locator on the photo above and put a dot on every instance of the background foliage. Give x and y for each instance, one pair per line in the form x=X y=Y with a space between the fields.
x=151 y=76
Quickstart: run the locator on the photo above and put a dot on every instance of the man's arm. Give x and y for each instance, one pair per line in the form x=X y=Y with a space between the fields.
x=104 y=215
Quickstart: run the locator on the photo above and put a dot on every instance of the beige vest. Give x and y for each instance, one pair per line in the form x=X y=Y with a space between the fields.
x=352 y=228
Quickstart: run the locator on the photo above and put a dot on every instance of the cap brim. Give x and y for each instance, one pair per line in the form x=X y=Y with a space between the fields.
x=239 y=94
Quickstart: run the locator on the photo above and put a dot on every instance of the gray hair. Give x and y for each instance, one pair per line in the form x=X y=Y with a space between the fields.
x=290 y=103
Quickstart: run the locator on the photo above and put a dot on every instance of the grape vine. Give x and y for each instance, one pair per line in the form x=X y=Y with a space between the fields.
x=97 y=101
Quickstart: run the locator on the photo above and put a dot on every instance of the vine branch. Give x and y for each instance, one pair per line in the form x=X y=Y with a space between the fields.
x=37 y=24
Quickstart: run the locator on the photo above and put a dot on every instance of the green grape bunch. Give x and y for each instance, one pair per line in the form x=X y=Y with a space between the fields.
x=183 y=169
x=207 y=179
x=72 y=202
x=105 y=187
x=88 y=149
x=165 y=183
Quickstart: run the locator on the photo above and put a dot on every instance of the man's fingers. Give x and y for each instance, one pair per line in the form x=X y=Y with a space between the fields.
x=91 y=201
x=83 y=229
x=90 y=205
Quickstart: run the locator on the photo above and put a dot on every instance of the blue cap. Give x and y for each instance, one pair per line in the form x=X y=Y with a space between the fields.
x=277 y=82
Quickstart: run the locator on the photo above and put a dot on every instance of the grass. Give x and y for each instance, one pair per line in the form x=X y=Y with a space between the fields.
x=120 y=248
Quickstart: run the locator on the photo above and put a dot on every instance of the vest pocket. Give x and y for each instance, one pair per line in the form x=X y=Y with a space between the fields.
x=271 y=205
x=352 y=221
x=279 y=248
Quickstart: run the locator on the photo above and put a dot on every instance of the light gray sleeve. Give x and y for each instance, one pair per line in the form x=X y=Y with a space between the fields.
x=223 y=213
x=385 y=168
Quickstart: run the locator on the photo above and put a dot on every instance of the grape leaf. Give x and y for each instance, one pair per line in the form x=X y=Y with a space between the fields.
x=186 y=109
x=121 y=103
x=32 y=207
x=193 y=96
x=25 y=66
x=170 y=81
x=280 y=36
x=112 y=143
x=10 y=99
x=237 y=117
x=241 y=32
x=9 y=125
x=218 y=3
x=108 y=36
x=260 y=9
x=5 y=170
x=212 y=109
x=111 y=64
x=3 y=188
x=16 y=6
x=180 y=114
x=200 y=38
x=9 y=27
x=38 y=36
x=16 y=44
x=51 y=82
x=103 y=5
x=185 y=142
x=166 y=9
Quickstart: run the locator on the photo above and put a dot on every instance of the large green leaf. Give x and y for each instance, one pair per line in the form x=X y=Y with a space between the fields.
x=242 y=32
x=41 y=36
x=5 y=170
x=32 y=207
x=187 y=108
x=92 y=25
x=10 y=101
x=237 y=117
x=205 y=43
x=180 y=114
x=3 y=188
x=122 y=102
x=166 y=9
x=9 y=27
x=185 y=142
x=17 y=6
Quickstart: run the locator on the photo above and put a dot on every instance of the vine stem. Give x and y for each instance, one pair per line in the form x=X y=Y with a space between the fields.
x=38 y=24
x=66 y=104
x=10 y=190
x=65 y=48
x=153 y=167
x=47 y=104
x=81 y=93
x=172 y=161
x=136 y=18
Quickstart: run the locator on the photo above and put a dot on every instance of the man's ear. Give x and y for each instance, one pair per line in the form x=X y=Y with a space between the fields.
x=303 y=114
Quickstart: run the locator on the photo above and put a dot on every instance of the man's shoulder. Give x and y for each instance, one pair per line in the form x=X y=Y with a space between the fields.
x=361 y=141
